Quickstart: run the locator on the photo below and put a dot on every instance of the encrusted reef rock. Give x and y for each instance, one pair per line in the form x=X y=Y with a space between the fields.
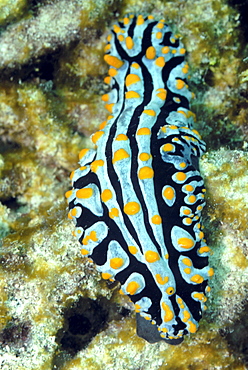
x=55 y=310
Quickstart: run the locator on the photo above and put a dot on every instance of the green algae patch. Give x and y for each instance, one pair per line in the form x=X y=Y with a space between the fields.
x=206 y=350
x=74 y=364
x=226 y=183
x=207 y=354
x=4 y=311
x=11 y=10
x=4 y=221
x=228 y=168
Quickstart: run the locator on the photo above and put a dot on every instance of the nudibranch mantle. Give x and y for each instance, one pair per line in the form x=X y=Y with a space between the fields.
x=136 y=199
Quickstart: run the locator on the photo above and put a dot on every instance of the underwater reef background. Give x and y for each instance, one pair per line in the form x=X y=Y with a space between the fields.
x=55 y=310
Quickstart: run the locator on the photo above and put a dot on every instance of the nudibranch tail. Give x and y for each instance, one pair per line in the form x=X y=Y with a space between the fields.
x=137 y=198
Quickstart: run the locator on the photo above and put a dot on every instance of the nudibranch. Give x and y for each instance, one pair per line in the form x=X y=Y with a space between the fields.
x=137 y=198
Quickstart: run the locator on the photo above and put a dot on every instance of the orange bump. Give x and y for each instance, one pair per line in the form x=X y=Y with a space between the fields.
x=109 y=107
x=211 y=272
x=132 y=95
x=187 y=261
x=184 y=113
x=150 y=52
x=144 y=156
x=187 y=221
x=186 y=316
x=131 y=208
x=204 y=249
x=106 y=195
x=152 y=256
x=126 y=21
x=149 y=112
x=165 y=50
x=162 y=94
x=160 y=25
x=192 y=199
x=113 y=61
x=121 y=137
x=68 y=193
x=72 y=174
x=140 y=20
x=121 y=38
x=96 y=136
x=93 y=236
x=106 y=275
x=74 y=212
x=169 y=193
x=96 y=164
x=84 y=252
x=198 y=279
x=182 y=165
x=187 y=270
x=197 y=133
x=112 y=72
x=135 y=65
x=200 y=296
x=116 y=28
x=105 y=97
x=179 y=300
x=132 y=287
x=146 y=173
x=156 y=219
x=82 y=153
x=161 y=280
x=168 y=147
x=107 y=47
x=116 y=263
x=114 y=212
x=129 y=42
x=192 y=327
x=168 y=312
x=180 y=84
x=160 y=62
x=132 y=249
x=189 y=188
x=102 y=125
x=185 y=243
x=170 y=290
x=143 y=131
x=84 y=193
x=131 y=79
x=181 y=176
x=119 y=155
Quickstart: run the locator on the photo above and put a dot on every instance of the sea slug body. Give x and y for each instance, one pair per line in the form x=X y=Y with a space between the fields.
x=136 y=199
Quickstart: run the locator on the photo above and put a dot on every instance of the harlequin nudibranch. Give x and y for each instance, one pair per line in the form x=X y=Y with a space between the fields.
x=137 y=197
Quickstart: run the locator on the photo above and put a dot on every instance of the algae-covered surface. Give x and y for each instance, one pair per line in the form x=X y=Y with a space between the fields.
x=55 y=310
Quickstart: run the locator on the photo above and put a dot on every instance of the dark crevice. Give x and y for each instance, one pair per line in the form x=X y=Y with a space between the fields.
x=242 y=7
x=82 y=322
x=11 y=203
x=237 y=336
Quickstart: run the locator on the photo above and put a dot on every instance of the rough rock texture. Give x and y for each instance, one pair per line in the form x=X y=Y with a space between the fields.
x=55 y=311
